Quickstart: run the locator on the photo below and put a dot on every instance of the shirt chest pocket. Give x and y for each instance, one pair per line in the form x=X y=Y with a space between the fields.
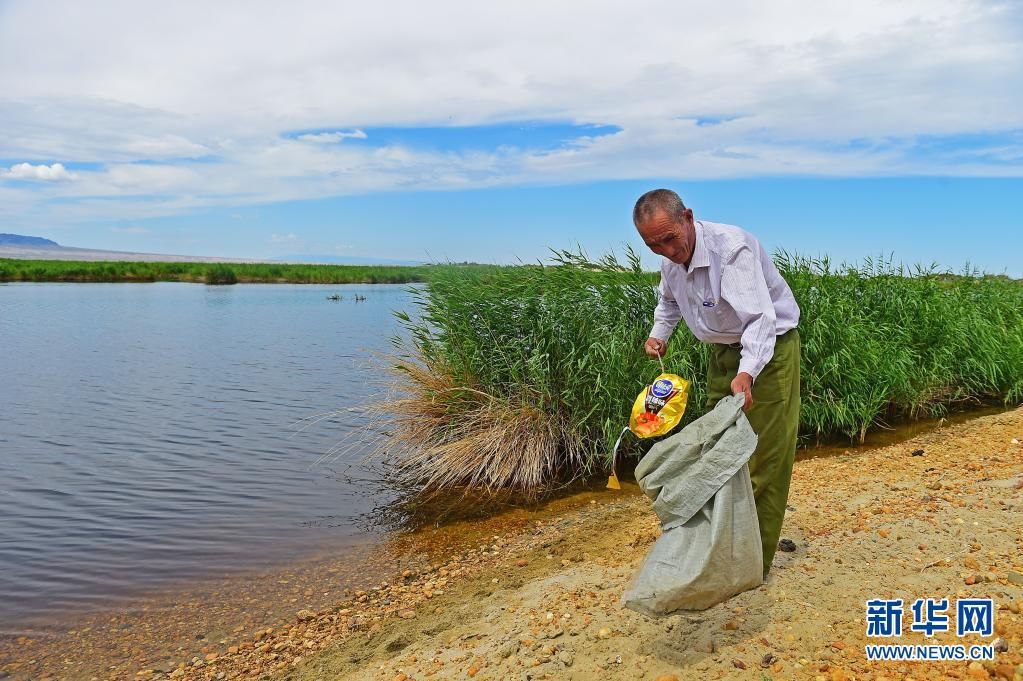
x=717 y=315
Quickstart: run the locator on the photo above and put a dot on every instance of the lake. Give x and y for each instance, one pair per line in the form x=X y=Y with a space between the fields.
x=148 y=437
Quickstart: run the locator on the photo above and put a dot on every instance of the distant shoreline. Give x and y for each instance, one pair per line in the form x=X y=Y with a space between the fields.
x=73 y=254
x=218 y=272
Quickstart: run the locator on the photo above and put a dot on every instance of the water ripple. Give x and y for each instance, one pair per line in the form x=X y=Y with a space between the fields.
x=148 y=434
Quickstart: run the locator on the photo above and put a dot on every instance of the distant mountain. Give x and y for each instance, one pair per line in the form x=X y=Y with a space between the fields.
x=28 y=241
x=44 y=249
x=36 y=248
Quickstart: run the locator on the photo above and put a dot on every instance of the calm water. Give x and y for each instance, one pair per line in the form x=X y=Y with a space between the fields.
x=146 y=432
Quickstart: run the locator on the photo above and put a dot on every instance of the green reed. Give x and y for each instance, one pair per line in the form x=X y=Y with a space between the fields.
x=880 y=342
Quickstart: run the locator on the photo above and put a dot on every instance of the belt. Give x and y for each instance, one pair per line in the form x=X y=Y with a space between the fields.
x=738 y=345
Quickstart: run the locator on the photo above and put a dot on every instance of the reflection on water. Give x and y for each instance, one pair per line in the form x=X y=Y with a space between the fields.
x=146 y=437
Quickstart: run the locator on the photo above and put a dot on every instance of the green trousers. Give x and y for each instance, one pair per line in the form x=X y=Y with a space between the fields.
x=775 y=419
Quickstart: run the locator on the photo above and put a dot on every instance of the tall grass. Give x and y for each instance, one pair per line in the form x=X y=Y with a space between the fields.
x=522 y=378
x=881 y=341
x=513 y=377
x=199 y=272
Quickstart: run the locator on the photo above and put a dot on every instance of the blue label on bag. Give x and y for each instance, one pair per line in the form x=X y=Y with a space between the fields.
x=662 y=388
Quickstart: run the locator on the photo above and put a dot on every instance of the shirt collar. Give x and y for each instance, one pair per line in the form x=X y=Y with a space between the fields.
x=701 y=258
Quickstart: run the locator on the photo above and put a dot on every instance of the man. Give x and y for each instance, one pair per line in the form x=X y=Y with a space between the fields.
x=721 y=282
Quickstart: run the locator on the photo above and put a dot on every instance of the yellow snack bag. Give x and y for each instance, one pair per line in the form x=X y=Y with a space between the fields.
x=660 y=406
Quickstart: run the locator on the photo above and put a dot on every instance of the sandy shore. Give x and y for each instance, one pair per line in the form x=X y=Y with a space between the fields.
x=536 y=595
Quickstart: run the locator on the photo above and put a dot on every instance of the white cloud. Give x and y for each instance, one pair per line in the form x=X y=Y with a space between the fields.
x=129 y=230
x=26 y=171
x=283 y=238
x=805 y=88
x=163 y=146
x=332 y=137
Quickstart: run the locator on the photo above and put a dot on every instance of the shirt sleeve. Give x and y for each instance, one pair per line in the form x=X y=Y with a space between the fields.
x=744 y=287
x=666 y=314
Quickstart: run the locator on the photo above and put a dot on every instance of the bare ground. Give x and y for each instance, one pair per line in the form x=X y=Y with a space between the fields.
x=883 y=523
x=535 y=596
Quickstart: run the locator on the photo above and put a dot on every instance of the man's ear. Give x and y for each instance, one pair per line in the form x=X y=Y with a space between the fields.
x=689 y=214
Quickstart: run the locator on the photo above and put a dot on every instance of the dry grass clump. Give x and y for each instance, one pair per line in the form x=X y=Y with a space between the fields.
x=446 y=436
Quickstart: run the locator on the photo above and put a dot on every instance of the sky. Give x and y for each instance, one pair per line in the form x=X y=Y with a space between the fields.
x=493 y=132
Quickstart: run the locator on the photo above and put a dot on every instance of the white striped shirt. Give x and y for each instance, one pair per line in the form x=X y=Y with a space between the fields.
x=731 y=293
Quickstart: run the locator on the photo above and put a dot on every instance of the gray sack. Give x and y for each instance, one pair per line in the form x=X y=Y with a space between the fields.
x=699 y=482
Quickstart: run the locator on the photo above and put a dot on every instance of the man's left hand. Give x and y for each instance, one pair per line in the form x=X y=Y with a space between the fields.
x=743 y=383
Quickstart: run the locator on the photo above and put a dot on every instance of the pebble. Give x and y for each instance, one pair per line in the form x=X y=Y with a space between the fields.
x=1004 y=671
x=604 y=633
x=1014 y=577
x=787 y=545
x=704 y=644
x=566 y=658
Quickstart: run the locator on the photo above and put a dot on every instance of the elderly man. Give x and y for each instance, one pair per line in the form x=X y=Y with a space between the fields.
x=721 y=282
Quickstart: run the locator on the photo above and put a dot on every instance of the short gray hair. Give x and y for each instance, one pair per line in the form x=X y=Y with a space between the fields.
x=655 y=201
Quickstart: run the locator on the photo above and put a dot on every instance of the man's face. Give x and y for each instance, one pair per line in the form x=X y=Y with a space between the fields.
x=666 y=237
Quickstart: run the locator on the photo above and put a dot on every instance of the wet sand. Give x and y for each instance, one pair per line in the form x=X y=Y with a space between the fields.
x=535 y=594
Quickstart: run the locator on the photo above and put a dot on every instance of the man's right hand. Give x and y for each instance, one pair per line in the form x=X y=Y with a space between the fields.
x=655 y=347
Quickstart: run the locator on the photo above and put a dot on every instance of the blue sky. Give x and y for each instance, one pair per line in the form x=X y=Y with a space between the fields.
x=951 y=221
x=451 y=134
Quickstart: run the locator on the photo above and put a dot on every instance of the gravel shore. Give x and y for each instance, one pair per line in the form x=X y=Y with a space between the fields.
x=536 y=595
